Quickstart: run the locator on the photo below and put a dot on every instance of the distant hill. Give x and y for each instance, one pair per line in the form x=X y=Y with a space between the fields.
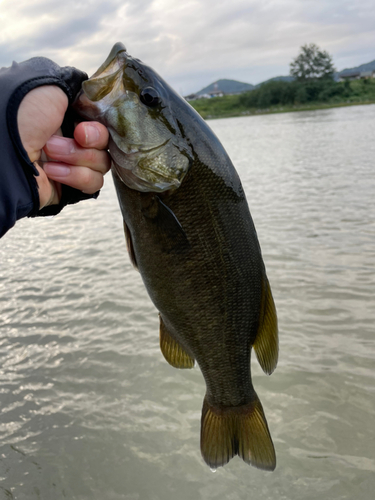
x=234 y=87
x=227 y=87
x=277 y=79
x=363 y=67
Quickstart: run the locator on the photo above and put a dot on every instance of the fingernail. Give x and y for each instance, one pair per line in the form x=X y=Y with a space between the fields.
x=60 y=145
x=92 y=134
x=54 y=170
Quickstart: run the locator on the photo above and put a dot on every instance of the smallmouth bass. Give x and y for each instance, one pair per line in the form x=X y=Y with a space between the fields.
x=189 y=232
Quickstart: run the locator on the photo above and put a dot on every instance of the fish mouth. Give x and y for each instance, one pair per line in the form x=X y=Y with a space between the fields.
x=112 y=60
x=89 y=101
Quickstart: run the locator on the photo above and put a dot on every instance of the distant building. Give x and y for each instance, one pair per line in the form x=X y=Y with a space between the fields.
x=367 y=74
x=356 y=75
x=216 y=92
x=352 y=75
x=213 y=93
x=191 y=97
x=220 y=88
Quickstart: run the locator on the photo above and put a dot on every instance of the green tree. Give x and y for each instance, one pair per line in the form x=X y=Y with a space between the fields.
x=312 y=64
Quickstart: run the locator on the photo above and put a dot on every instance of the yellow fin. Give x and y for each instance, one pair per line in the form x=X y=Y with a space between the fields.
x=234 y=431
x=173 y=352
x=266 y=344
x=129 y=246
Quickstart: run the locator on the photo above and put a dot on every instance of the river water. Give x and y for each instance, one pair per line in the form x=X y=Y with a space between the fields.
x=90 y=410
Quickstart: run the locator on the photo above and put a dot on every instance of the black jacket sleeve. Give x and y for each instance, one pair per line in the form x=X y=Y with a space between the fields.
x=18 y=188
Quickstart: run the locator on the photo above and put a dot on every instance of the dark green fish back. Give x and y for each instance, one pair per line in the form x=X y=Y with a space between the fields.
x=206 y=280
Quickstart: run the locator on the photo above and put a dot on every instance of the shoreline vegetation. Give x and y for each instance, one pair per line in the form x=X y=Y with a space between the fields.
x=286 y=97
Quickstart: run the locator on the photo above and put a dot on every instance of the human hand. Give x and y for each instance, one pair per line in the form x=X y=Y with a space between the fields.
x=80 y=162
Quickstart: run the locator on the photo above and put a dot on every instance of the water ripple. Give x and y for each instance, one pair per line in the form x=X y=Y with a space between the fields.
x=88 y=406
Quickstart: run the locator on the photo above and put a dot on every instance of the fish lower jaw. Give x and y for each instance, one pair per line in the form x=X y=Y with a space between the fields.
x=118 y=150
x=130 y=178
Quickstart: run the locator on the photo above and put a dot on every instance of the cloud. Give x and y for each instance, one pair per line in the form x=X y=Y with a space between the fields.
x=189 y=43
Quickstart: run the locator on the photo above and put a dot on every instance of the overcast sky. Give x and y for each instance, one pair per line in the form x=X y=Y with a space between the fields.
x=191 y=43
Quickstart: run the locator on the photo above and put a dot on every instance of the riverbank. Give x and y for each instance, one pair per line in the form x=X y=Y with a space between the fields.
x=211 y=110
x=278 y=98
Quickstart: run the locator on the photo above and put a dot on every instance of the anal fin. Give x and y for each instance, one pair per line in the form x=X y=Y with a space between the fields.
x=266 y=344
x=173 y=352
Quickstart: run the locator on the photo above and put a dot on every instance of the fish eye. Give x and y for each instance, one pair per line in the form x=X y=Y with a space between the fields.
x=150 y=97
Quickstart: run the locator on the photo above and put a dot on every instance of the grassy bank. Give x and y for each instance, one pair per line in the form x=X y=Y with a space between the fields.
x=283 y=97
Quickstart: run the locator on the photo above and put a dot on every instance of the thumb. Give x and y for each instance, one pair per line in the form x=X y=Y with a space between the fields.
x=40 y=115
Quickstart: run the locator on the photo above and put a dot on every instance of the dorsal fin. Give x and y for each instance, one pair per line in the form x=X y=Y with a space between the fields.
x=266 y=344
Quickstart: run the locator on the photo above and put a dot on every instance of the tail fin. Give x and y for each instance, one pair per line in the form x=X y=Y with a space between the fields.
x=243 y=431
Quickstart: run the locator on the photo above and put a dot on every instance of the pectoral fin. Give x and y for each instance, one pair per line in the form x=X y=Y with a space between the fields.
x=173 y=352
x=168 y=218
x=130 y=247
x=266 y=344
x=172 y=236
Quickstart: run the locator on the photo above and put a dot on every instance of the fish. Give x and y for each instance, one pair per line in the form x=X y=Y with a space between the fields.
x=190 y=234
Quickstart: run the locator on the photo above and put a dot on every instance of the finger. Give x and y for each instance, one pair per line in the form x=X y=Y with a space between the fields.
x=91 y=135
x=65 y=150
x=80 y=177
x=49 y=192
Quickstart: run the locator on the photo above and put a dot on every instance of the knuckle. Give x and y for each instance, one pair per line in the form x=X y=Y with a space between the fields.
x=90 y=156
x=86 y=178
x=91 y=181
